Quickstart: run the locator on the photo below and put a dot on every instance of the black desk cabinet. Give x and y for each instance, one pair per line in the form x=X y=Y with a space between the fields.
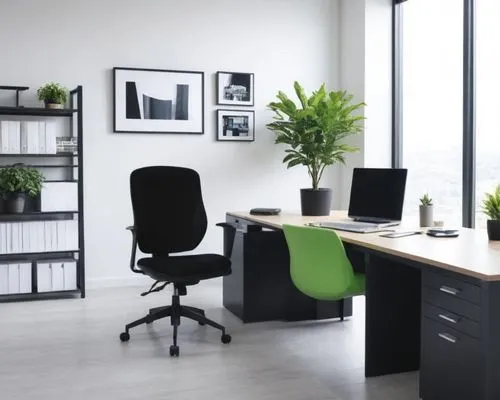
x=460 y=347
x=260 y=287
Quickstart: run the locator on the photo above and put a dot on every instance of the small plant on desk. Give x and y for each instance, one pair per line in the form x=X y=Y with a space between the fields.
x=425 y=200
x=17 y=182
x=426 y=211
x=491 y=207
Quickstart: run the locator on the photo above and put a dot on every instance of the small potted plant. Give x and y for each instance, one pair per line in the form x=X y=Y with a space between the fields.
x=491 y=207
x=315 y=130
x=53 y=95
x=426 y=211
x=17 y=182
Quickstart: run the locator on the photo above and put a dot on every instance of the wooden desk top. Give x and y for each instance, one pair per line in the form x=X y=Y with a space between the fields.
x=469 y=254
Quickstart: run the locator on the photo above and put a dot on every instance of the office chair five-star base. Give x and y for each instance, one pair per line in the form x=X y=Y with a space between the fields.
x=175 y=312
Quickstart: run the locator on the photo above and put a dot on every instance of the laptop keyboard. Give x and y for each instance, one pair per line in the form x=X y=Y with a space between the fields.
x=349 y=225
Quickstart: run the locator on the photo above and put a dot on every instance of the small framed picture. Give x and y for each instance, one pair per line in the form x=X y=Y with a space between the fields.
x=235 y=88
x=236 y=125
x=158 y=101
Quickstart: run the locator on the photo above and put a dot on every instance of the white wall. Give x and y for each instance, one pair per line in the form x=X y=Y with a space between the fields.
x=80 y=42
x=365 y=71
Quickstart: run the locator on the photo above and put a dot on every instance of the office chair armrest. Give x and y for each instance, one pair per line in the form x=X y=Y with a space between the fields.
x=133 y=229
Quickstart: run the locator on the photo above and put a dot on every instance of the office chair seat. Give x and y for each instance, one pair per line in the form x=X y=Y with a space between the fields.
x=185 y=268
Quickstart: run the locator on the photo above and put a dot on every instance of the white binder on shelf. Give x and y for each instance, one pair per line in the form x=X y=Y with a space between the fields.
x=3 y=238
x=57 y=276
x=69 y=268
x=14 y=279
x=4 y=279
x=59 y=196
x=14 y=137
x=44 y=277
x=4 y=137
x=50 y=138
x=42 y=137
x=25 y=278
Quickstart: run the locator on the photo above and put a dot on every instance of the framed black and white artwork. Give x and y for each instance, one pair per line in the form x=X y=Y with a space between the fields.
x=158 y=101
x=235 y=88
x=235 y=125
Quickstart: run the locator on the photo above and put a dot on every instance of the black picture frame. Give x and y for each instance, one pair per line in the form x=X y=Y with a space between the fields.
x=173 y=101
x=235 y=89
x=235 y=125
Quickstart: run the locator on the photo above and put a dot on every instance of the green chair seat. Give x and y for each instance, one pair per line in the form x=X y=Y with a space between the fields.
x=319 y=266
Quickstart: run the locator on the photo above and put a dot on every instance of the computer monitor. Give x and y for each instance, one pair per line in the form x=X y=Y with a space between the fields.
x=377 y=193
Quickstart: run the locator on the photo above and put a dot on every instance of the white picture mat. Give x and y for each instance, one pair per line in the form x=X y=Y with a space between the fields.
x=236 y=113
x=160 y=85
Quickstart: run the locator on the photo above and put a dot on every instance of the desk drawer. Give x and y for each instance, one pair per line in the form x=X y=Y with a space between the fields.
x=451 y=303
x=450 y=364
x=452 y=320
x=453 y=287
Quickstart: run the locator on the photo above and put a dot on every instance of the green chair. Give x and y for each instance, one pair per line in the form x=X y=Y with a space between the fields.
x=319 y=266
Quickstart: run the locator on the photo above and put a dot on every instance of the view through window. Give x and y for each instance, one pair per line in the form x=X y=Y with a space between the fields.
x=432 y=106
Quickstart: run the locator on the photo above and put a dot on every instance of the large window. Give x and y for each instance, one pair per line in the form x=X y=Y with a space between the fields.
x=432 y=98
x=487 y=101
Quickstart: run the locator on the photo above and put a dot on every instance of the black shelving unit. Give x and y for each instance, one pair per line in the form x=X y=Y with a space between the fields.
x=72 y=162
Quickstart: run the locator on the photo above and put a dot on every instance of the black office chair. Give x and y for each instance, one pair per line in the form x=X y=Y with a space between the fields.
x=169 y=217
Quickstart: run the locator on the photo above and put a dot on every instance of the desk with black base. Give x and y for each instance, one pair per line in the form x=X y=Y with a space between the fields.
x=432 y=304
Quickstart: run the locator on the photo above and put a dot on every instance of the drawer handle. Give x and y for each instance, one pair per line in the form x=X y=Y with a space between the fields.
x=449 y=290
x=447 y=318
x=447 y=337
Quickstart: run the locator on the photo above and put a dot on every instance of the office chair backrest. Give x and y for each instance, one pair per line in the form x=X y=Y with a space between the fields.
x=319 y=266
x=169 y=214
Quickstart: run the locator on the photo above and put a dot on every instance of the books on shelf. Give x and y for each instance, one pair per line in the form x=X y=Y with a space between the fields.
x=28 y=137
x=15 y=278
x=38 y=236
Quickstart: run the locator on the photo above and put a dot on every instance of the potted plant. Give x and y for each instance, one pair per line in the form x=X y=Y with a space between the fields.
x=426 y=211
x=17 y=182
x=315 y=130
x=491 y=207
x=53 y=95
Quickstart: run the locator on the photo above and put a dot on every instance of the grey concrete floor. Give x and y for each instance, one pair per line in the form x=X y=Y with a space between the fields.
x=69 y=349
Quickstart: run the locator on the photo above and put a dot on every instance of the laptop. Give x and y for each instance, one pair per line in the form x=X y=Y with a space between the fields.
x=376 y=202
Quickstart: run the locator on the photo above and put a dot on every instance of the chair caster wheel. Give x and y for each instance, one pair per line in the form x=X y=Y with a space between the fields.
x=225 y=338
x=201 y=323
x=124 y=336
x=174 y=351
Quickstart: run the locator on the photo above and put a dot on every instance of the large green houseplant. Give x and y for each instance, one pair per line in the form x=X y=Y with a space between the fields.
x=491 y=207
x=17 y=182
x=315 y=130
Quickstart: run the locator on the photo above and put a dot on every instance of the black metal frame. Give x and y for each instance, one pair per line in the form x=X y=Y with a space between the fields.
x=202 y=100
x=235 y=103
x=219 y=115
x=469 y=132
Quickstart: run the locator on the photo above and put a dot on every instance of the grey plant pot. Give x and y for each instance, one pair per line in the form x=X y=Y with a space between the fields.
x=316 y=202
x=426 y=216
x=14 y=203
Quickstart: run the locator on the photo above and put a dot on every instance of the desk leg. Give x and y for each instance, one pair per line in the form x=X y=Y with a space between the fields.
x=393 y=296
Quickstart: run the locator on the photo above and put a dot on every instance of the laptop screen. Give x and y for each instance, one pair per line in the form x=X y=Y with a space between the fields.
x=378 y=193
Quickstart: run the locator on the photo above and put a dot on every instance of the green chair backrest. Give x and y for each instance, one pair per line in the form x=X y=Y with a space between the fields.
x=319 y=266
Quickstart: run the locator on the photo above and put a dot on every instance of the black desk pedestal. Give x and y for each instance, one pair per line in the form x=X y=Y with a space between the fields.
x=260 y=287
